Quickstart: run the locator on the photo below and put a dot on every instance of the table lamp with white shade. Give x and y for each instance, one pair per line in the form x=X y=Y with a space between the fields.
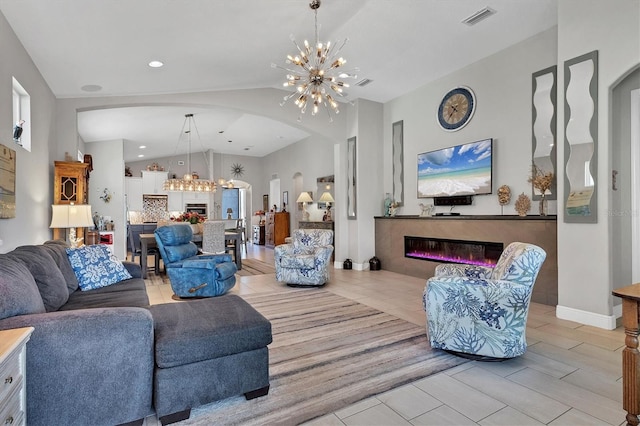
x=71 y=216
x=304 y=198
x=327 y=198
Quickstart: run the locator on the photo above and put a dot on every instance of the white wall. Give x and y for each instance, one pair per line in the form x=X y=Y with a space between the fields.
x=302 y=162
x=502 y=85
x=365 y=123
x=611 y=27
x=34 y=170
x=108 y=172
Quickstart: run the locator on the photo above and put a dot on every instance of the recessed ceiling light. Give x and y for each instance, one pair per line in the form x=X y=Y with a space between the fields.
x=247 y=148
x=140 y=155
x=91 y=88
x=142 y=146
x=230 y=141
x=155 y=64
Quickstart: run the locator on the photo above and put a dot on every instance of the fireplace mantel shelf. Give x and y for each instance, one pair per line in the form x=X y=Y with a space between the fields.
x=539 y=230
x=471 y=217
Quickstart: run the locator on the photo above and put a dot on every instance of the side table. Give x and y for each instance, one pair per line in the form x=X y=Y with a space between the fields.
x=630 y=356
x=13 y=388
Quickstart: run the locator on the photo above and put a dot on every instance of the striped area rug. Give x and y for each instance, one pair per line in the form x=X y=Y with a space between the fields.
x=255 y=267
x=327 y=353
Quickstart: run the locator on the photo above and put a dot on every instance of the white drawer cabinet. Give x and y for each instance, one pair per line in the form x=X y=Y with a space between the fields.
x=13 y=391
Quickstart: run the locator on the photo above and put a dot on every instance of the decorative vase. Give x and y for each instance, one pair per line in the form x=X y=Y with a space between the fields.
x=387 y=204
x=543 y=205
x=195 y=228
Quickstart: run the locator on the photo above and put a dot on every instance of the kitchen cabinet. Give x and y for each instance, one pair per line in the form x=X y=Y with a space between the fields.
x=133 y=191
x=152 y=182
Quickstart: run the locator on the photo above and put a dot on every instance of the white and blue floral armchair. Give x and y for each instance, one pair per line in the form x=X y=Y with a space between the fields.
x=305 y=261
x=483 y=311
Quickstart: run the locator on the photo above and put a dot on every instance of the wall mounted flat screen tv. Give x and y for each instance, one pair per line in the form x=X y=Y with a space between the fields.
x=459 y=170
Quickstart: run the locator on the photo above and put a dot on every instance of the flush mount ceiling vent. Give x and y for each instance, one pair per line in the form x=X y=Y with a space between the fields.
x=364 y=82
x=480 y=15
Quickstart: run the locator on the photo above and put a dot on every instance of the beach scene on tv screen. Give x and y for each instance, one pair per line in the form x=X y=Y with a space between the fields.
x=459 y=170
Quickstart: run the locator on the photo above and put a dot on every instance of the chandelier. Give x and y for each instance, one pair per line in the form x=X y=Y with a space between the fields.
x=190 y=181
x=316 y=77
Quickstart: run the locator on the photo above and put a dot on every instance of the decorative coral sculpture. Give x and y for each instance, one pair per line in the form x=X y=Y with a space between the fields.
x=523 y=204
x=504 y=195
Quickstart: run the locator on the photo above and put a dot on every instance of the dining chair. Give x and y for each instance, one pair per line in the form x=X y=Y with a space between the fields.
x=240 y=227
x=213 y=240
x=133 y=237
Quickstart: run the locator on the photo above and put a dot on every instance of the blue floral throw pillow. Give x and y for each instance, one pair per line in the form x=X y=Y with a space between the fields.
x=96 y=267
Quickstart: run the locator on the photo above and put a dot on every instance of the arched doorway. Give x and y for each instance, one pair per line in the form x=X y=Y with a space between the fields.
x=625 y=181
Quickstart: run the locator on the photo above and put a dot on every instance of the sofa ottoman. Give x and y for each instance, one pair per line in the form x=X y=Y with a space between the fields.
x=207 y=350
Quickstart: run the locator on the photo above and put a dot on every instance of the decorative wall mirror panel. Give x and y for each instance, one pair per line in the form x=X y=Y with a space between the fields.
x=398 y=162
x=581 y=138
x=351 y=178
x=543 y=129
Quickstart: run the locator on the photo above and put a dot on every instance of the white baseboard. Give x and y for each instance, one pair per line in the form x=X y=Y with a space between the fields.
x=608 y=322
x=617 y=310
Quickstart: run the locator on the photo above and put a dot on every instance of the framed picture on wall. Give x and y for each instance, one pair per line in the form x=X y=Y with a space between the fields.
x=7 y=182
x=265 y=203
x=285 y=200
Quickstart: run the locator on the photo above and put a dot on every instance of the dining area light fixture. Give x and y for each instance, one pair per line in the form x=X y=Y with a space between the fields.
x=316 y=73
x=189 y=183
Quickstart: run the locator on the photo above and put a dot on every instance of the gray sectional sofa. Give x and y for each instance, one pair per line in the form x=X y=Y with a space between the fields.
x=84 y=366
x=105 y=357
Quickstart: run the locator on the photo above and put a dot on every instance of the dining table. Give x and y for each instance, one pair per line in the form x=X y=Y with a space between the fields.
x=148 y=241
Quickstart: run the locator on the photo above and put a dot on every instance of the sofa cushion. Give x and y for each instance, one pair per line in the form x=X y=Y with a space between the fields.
x=57 y=250
x=127 y=293
x=199 y=330
x=49 y=279
x=18 y=290
x=96 y=267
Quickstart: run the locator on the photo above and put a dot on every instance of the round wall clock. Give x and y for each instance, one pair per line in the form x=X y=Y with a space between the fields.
x=456 y=108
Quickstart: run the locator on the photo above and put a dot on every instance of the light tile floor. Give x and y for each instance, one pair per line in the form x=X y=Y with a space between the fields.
x=570 y=374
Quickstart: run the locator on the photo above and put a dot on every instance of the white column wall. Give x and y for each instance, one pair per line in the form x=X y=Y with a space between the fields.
x=584 y=275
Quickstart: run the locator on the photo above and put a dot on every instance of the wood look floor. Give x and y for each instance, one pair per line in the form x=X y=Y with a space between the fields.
x=571 y=374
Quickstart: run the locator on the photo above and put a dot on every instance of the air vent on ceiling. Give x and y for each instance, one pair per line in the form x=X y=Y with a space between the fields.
x=479 y=16
x=364 y=82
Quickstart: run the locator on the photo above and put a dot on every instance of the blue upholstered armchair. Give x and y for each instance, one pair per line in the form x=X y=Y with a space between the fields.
x=192 y=275
x=305 y=261
x=483 y=311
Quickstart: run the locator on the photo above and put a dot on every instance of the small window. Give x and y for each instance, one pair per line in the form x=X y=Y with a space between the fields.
x=21 y=116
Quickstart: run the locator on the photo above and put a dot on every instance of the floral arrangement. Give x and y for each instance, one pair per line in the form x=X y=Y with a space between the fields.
x=540 y=179
x=191 y=217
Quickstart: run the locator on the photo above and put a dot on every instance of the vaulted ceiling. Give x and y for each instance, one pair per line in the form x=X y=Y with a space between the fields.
x=102 y=48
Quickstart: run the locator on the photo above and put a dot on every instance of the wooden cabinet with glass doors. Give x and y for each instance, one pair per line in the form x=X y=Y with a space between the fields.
x=71 y=185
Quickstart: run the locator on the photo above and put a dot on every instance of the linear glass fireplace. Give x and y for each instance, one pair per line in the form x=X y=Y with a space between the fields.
x=483 y=253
